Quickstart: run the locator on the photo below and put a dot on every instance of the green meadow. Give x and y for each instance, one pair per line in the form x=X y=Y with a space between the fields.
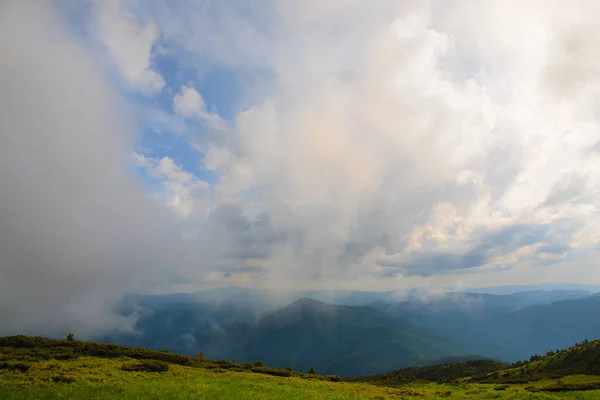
x=105 y=378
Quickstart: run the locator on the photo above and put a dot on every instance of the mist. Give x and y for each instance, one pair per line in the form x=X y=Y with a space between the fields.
x=76 y=224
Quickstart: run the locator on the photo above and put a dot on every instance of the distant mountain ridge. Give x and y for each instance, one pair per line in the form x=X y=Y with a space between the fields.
x=346 y=339
x=271 y=299
x=506 y=327
x=304 y=334
x=540 y=328
x=366 y=338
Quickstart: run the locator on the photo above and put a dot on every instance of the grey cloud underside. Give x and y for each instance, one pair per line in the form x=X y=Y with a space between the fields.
x=487 y=246
x=257 y=238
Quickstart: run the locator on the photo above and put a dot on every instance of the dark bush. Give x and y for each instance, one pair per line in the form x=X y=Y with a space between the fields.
x=575 y=387
x=63 y=379
x=271 y=371
x=15 y=367
x=146 y=366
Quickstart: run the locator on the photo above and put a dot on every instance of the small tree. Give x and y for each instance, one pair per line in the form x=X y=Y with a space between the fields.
x=312 y=371
x=70 y=337
x=201 y=356
x=288 y=368
x=258 y=363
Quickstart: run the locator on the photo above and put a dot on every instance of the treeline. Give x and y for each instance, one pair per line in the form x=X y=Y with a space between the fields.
x=441 y=373
x=20 y=350
x=583 y=358
x=550 y=353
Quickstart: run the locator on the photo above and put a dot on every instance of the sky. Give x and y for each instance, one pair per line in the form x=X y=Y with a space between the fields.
x=154 y=146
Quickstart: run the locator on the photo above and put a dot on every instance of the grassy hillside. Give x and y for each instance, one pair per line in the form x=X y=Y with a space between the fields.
x=581 y=359
x=574 y=369
x=441 y=373
x=18 y=351
x=37 y=368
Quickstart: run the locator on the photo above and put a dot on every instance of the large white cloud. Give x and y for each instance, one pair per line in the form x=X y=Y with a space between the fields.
x=77 y=227
x=130 y=43
x=400 y=139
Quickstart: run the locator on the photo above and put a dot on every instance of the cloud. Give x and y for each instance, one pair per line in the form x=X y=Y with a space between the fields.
x=411 y=132
x=182 y=188
x=487 y=249
x=396 y=144
x=188 y=103
x=78 y=228
x=130 y=43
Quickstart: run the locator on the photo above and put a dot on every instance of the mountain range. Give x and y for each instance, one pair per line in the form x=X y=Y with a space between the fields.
x=376 y=333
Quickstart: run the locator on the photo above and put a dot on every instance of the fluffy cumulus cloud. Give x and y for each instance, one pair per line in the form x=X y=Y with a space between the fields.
x=374 y=145
x=130 y=43
x=181 y=187
x=419 y=139
x=190 y=104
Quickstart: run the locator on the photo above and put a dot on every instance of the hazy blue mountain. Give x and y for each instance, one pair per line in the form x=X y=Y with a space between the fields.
x=541 y=328
x=510 y=289
x=507 y=327
x=343 y=340
x=397 y=329
x=450 y=313
x=492 y=325
x=346 y=340
x=182 y=327
x=271 y=299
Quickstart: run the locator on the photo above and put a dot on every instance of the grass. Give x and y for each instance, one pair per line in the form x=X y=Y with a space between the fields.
x=583 y=358
x=39 y=368
x=103 y=378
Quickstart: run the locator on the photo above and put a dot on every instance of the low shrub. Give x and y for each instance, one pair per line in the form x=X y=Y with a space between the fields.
x=63 y=379
x=146 y=366
x=15 y=367
x=271 y=371
x=575 y=387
